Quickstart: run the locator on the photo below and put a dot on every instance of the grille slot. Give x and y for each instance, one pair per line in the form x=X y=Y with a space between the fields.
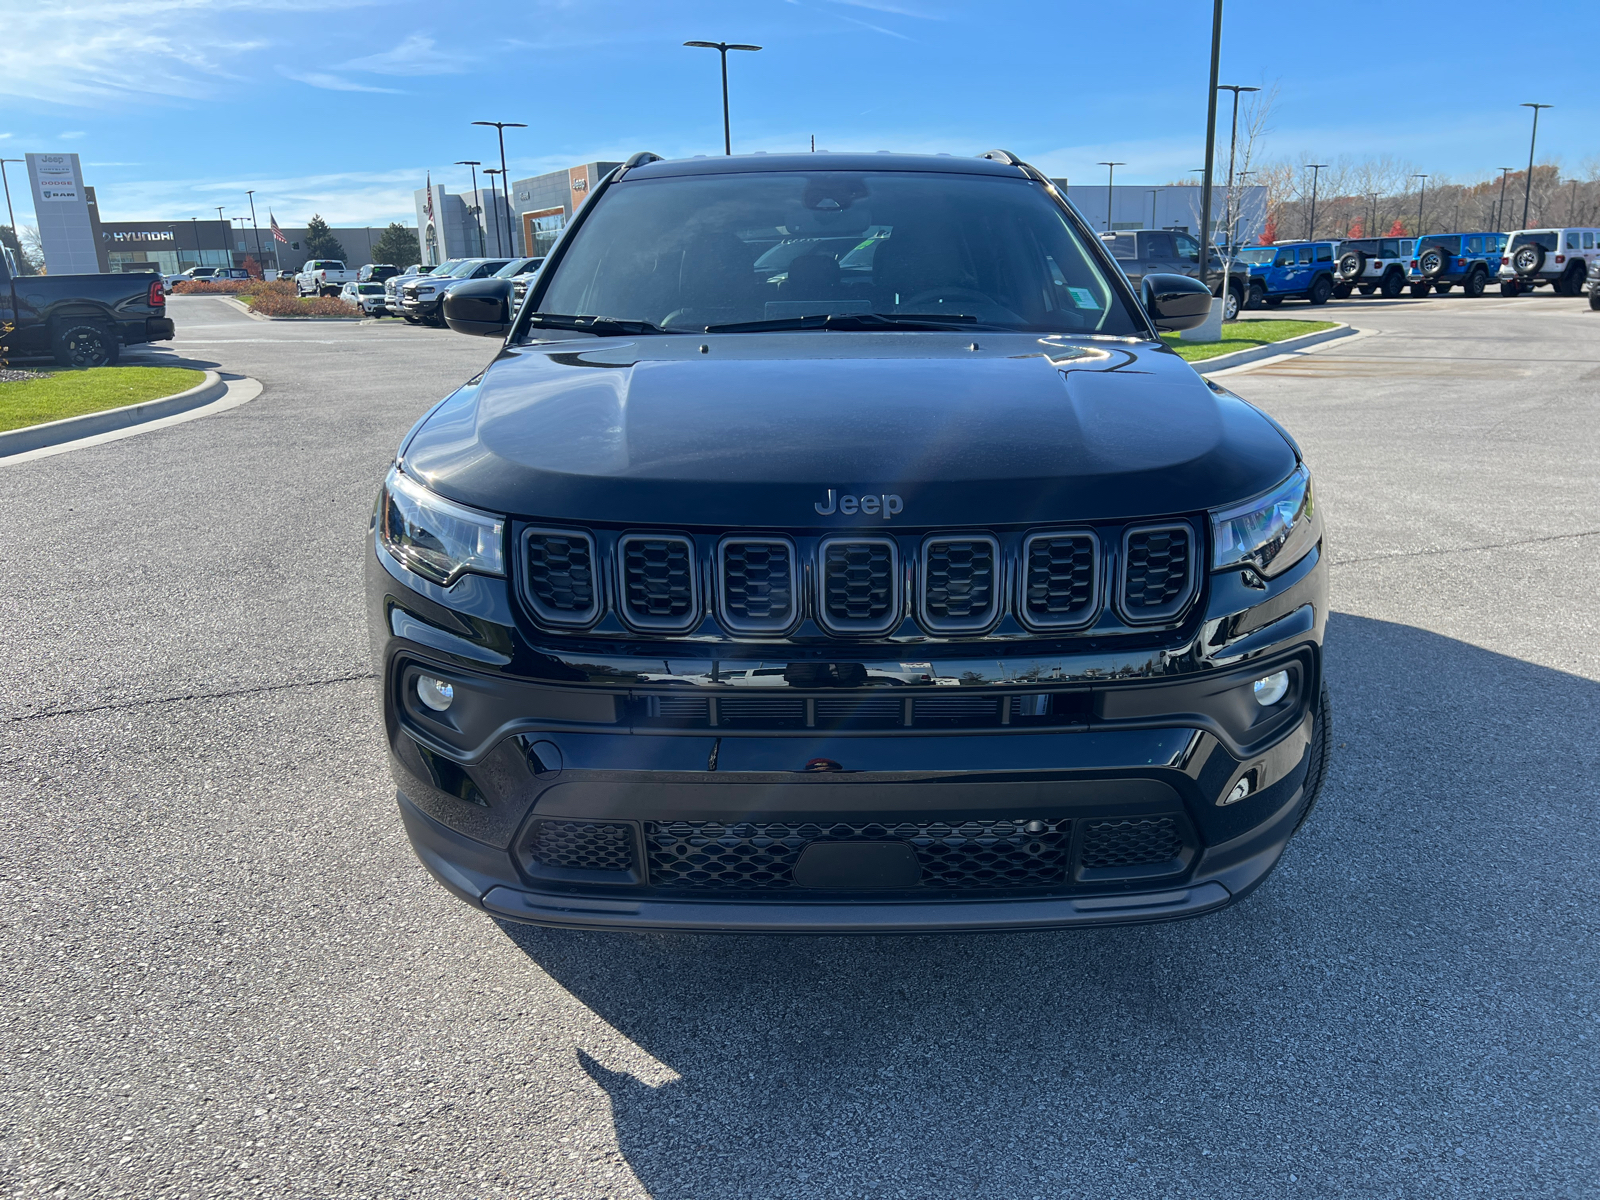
x=760 y=855
x=1060 y=580
x=581 y=845
x=956 y=710
x=559 y=576
x=1158 y=572
x=960 y=583
x=758 y=584
x=1136 y=842
x=860 y=585
x=760 y=710
x=658 y=583
x=879 y=710
x=689 y=710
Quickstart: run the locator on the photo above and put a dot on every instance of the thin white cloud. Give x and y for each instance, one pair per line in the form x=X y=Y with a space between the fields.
x=417 y=55
x=76 y=133
x=332 y=83
x=898 y=10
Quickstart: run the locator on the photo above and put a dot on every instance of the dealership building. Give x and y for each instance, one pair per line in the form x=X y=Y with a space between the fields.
x=173 y=246
x=527 y=222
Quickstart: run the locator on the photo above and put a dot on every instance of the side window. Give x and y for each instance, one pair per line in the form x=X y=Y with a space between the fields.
x=1324 y=253
x=1285 y=258
x=1188 y=247
x=1159 y=246
x=1474 y=245
x=1588 y=241
x=1122 y=246
x=1304 y=255
x=1572 y=241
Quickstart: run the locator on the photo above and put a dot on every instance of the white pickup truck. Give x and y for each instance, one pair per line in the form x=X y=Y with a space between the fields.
x=323 y=277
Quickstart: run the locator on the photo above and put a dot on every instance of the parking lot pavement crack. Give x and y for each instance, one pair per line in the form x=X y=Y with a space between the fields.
x=1532 y=541
x=252 y=691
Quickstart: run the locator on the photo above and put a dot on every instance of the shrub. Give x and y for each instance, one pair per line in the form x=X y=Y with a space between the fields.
x=206 y=287
x=270 y=302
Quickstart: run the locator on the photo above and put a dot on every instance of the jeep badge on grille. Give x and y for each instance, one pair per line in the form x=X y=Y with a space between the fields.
x=885 y=506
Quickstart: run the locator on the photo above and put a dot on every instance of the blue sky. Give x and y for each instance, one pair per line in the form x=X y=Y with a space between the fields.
x=342 y=106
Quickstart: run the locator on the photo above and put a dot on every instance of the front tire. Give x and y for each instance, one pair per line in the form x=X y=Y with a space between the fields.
x=1321 y=753
x=1232 y=302
x=1594 y=297
x=1257 y=296
x=81 y=344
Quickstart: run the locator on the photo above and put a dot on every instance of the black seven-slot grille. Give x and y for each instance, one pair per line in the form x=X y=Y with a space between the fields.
x=954 y=854
x=857 y=587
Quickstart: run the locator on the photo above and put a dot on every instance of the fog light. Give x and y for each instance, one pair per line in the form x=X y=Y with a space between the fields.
x=1240 y=791
x=435 y=693
x=1271 y=689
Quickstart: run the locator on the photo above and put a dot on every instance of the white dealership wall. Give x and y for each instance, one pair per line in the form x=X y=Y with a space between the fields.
x=61 y=208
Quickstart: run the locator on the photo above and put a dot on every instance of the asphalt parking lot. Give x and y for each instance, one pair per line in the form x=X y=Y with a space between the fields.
x=226 y=975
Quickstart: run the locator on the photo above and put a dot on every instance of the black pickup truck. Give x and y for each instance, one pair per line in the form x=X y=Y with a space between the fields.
x=80 y=320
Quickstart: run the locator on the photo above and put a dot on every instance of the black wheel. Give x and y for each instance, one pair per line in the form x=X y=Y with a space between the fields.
x=1509 y=287
x=1321 y=290
x=1232 y=302
x=1476 y=283
x=1321 y=753
x=1341 y=291
x=1273 y=301
x=1421 y=289
x=410 y=320
x=1528 y=259
x=1366 y=289
x=1432 y=261
x=1393 y=284
x=80 y=343
x=1442 y=288
x=1571 y=284
x=1351 y=264
x=1594 y=296
x=1257 y=296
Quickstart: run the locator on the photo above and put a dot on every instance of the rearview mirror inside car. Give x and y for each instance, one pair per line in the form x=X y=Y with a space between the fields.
x=481 y=307
x=1175 y=302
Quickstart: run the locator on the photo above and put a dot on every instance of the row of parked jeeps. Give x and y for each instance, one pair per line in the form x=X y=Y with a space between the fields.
x=1567 y=260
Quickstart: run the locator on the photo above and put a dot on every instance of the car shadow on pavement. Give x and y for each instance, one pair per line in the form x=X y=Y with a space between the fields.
x=1407 y=1007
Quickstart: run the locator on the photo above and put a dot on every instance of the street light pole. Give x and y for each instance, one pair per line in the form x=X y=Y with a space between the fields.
x=1500 y=209
x=226 y=250
x=478 y=210
x=494 y=203
x=256 y=229
x=501 y=127
x=1316 y=172
x=1111 y=174
x=722 y=48
x=1422 y=193
x=196 y=221
x=1233 y=142
x=1527 y=191
x=1211 y=139
x=1154 y=192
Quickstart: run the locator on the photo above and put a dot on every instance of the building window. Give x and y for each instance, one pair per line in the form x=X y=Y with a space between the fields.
x=540 y=230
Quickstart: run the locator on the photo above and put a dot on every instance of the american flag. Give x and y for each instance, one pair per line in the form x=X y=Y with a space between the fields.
x=276 y=232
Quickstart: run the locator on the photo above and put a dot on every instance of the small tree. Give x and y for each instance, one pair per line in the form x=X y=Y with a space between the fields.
x=320 y=242
x=1356 y=230
x=1269 y=231
x=398 y=246
x=251 y=265
x=1397 y=229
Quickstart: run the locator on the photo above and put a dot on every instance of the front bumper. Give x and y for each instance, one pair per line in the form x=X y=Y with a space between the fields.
x=550 y=748
x=427 y=309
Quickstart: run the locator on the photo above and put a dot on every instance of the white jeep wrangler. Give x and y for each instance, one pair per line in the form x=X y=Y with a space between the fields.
x=1563 y=258
x=1372 y=265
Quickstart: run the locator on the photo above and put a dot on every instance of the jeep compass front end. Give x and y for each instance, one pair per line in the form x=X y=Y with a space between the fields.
x=834 y=547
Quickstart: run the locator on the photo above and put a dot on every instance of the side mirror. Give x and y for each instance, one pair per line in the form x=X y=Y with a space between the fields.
x=479 y=306
x=1175 y=302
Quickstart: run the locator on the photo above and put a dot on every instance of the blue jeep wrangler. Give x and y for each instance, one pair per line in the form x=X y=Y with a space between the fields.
x=1300 y=271
x=1470 y=259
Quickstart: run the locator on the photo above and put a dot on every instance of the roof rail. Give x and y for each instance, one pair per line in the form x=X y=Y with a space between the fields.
x=1002 y=156
x=638 y=160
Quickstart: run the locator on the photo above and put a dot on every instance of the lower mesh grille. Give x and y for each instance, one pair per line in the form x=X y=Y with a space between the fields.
x=581 y=845
x=758 y=856
x=1141 y=841
x=1059 y=579
x=560 y=576
x=1157 y=573
x=858 y=585
x=658 y=590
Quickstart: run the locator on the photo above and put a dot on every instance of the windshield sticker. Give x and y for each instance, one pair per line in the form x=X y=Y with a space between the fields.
x=1083 y=298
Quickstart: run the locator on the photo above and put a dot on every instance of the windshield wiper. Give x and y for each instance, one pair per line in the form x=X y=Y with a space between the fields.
x=849 y=321
x=600 y=326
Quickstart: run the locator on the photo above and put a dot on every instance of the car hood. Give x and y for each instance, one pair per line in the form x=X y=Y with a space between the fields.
x=755 y=429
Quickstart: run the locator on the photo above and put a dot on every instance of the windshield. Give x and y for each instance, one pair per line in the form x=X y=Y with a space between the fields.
x=1257 y=256
x=715 y=250
x=516 y=266
x=448 y=267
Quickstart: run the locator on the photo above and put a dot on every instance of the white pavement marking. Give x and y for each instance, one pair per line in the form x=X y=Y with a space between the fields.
x=240 y=391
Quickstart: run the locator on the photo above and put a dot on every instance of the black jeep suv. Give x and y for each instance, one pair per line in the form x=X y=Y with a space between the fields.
x=835 y=547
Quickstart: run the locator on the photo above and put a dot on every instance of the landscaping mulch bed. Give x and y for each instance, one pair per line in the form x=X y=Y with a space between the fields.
x=16 y=375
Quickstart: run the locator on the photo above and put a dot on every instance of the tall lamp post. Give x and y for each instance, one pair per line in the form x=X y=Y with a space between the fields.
x=1500 y=209
x=1233 y=143
x=500 y=128
x=256 y=229
x=1422 y=194
x=1527 y=191
x=1211 y=138
x=1154 y=192
x=722 y=48
x=494 y=203
x=226 y=230
x=196 y=221
x=1316 y=172
x=1111 y=174
x=478 y=209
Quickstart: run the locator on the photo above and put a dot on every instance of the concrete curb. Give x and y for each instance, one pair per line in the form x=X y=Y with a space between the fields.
x=255 y=316
x=72 y=429
x=1272 y=350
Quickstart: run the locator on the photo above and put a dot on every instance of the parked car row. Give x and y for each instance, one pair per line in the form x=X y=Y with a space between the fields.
x=418 y=293
x=1319 y=271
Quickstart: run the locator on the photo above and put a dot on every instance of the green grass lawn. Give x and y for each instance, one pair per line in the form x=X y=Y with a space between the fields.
x=73 y=393
x=1244 y=335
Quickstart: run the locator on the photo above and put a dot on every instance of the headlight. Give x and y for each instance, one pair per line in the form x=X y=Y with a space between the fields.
x=424 y=291
x=435 y=537
x=1271 y=533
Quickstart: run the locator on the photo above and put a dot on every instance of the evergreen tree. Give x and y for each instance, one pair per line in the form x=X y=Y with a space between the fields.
x=320 y=242
x=397 y=246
